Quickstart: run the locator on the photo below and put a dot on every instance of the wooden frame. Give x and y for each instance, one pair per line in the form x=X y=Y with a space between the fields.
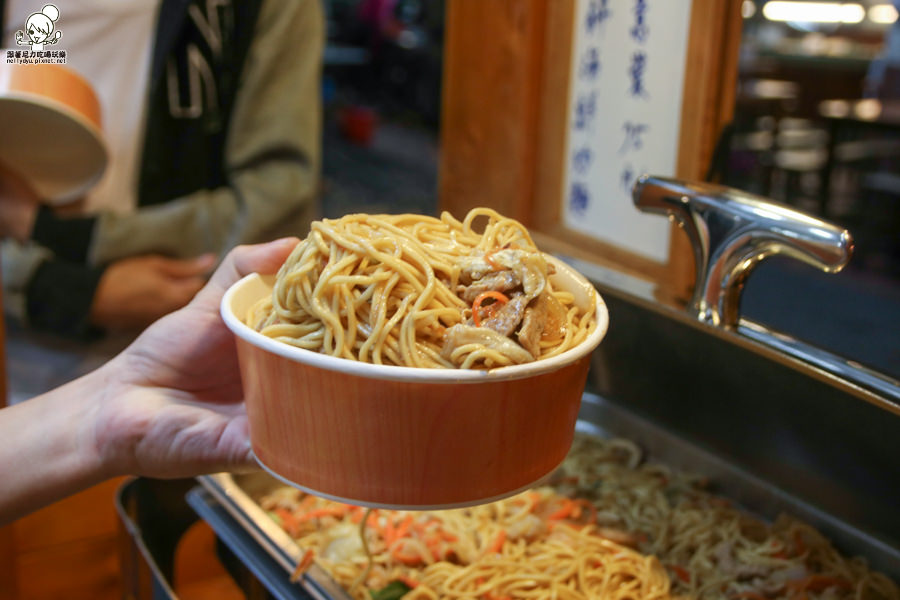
x=8 y=587
x=505 y=110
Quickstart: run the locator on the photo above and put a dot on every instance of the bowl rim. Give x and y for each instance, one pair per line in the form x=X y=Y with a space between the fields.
x=417 y=374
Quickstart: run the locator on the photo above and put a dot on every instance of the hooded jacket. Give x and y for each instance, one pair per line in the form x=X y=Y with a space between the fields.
x=236 y=163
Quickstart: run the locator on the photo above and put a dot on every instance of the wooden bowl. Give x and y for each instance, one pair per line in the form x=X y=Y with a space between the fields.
x=52 y=134
x=403 y=437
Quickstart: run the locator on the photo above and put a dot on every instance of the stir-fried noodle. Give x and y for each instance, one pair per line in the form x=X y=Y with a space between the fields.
x=609 y=525
x=419 y=291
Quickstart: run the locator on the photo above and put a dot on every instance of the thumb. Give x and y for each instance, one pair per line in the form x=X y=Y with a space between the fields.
x=243 y=260
x=191 y=267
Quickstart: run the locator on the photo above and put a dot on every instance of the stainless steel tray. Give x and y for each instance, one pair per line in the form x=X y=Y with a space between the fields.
x=238 y=495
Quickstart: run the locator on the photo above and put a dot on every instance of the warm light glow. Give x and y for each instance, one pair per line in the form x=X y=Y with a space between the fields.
x=836 y=109
x=868 y=110
x=748 y=9
x=884 y=14
x=814 y=12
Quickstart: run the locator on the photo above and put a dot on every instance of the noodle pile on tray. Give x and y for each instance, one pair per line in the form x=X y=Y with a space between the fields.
x=711 y=548
x=610 y=526
x=418 y=291
x=535 y=545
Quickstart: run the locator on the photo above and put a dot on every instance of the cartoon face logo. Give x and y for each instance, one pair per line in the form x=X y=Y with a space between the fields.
x=39 y=29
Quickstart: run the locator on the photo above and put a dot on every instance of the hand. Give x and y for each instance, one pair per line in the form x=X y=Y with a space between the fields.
x=18 y=205
x=135 y=292
x=172 y=405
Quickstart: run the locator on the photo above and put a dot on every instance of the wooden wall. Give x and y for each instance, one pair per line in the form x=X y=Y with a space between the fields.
x=505 y=110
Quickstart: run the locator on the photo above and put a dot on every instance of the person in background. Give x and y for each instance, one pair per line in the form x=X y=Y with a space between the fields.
x=170 y=405
x=883 y=77
x=211 y=113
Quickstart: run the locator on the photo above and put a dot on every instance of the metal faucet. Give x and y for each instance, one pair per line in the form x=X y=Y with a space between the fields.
x=731 y=232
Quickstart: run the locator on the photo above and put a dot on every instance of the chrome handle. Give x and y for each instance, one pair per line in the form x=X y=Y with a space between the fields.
x=731 y=232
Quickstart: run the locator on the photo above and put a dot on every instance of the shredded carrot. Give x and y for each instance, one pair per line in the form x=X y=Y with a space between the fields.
x=389 y=533
x=489 y=258
x=285 y=515
x=497 y=545
x=403 y=529
x=356 y=513
x=681 y=572
x=476 y=305
x=329 y=511
x=410 y=560
x=563 y=511
x=408 y=581
x=302 y=566
x=289 y=522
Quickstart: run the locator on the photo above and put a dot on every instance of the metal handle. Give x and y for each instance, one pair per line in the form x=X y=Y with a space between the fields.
x=731 y=232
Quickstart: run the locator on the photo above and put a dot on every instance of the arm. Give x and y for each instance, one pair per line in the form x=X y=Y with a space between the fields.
x=169 y=406
x=272 y=153
x=73 y=299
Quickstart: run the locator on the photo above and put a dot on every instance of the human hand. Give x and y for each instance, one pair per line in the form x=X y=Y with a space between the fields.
x=134 y=292
x=172 y=405
x=18 y=205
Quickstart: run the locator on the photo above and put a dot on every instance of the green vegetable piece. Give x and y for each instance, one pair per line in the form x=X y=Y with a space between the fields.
x=392 y=591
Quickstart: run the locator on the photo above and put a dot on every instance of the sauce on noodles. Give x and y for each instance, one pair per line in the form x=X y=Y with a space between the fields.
x=420 y=291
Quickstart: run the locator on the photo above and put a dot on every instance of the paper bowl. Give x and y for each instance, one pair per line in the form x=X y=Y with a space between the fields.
x=52 y=132
x=402 y=437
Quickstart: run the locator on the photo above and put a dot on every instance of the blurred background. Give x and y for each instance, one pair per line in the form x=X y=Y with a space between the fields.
x=816 y=125
x=382 y=96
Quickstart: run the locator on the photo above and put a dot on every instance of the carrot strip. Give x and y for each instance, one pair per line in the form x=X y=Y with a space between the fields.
x=284 y=514
x=330 y=511
x=356 y=513
x=389 y=533
x=302 y=566
x=476 y=305
x=408 y=581
x=681 y=572
x=403 y=529
x=497 y=545
x=447 y=536
x=410 y=560
x=489 y=258
x=563 y=511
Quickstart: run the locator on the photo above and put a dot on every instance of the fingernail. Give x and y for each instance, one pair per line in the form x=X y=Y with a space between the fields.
x=285 y=241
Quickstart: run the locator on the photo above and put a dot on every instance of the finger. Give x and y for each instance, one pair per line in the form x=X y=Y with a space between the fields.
x=243 y=260
x=192 y=267
x=233 y=451
x=184 y=289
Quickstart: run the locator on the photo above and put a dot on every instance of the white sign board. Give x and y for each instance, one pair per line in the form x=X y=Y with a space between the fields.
x=628 y=66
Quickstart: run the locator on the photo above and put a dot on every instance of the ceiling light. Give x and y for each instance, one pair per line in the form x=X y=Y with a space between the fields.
x=748 y=9
x=814 y=12
x=884 y=14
